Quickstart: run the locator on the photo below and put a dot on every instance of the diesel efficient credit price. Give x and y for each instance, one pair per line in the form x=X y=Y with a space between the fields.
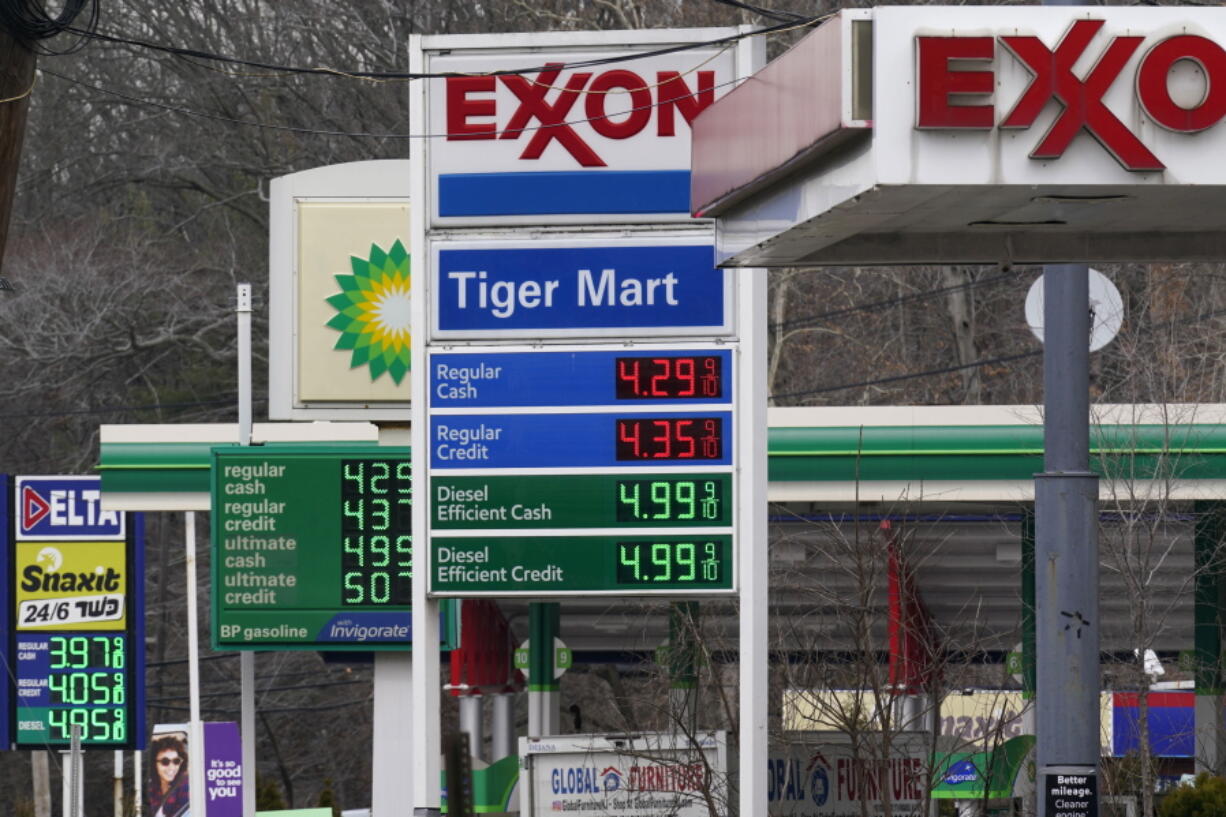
x=679 y=562
x=564 y=563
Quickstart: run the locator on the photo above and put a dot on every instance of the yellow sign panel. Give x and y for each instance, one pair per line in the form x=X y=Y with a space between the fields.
x=71 y=586
x=353 y=301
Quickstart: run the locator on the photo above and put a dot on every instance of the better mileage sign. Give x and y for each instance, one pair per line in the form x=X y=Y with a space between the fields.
x=631 y=492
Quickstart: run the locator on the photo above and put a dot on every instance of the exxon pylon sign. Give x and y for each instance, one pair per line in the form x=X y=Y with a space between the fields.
x=1170 y=77
x=62 y=509
x=556 y=128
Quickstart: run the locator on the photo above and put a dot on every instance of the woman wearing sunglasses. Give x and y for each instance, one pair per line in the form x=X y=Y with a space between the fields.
x=168 y=791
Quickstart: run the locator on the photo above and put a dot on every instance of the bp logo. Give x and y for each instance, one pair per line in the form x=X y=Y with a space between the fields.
x=373 y=312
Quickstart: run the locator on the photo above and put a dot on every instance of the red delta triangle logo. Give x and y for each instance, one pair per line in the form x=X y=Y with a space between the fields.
x=33 y=508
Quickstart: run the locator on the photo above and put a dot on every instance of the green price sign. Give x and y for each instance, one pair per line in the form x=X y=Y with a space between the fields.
x=629 y=500
x=613 y=565
x=312 y=548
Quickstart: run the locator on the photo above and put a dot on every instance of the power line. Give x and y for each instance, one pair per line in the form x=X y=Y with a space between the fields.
x=912 y=375
x=787 y=16
x=114 y=409
x=889 y=302
x=177 y=51
x=357 y=134
x=1204 y=316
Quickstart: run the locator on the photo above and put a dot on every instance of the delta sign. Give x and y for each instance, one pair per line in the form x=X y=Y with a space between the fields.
x=63 y=509
x=567 y=128
x=975 y=134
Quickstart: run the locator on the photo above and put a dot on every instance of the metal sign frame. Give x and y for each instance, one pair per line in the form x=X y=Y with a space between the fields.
x=372 y=182
x=264 y=454
x=131 y=542
x=574 y=405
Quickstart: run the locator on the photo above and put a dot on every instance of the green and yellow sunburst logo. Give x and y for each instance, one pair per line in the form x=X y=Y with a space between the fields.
x=373 y=312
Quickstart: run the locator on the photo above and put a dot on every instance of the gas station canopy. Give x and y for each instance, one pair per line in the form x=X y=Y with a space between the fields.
x=962 y=134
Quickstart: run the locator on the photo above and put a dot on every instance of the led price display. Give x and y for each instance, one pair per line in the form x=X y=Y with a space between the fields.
x=73 y=679
x=671 y=500
x=669 y=438
x=88 y=671
x=679 y=562
x=312 y=548
x=672 y=377
x=376 y=532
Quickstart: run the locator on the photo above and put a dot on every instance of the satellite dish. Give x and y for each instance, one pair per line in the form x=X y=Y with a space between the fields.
x=1106 y=310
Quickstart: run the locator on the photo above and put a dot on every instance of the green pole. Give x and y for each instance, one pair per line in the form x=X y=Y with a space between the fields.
x=543 y=698
x=543 y=620
x=1028 y=646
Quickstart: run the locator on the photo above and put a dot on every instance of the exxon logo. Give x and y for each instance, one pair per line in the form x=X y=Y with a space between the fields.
x=567 y=108
x=955 y=78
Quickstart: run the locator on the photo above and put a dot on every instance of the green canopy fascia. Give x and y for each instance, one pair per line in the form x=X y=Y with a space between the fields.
x=1003 y=452
x=921 y=454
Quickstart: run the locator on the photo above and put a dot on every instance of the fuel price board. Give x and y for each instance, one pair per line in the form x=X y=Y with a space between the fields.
x=594 y=470
x=313 y=548
x=76 y=648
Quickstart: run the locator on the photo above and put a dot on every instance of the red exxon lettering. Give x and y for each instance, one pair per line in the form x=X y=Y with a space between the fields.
x=472 y=110
x=675 y=95
x=552 y=117
x=1082 y=99
x=1155 y=96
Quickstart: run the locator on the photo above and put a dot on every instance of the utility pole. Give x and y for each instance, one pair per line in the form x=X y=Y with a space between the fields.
x=16 y=81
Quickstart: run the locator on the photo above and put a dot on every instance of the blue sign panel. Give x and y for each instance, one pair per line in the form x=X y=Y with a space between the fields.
x=583 y=192
x=62 y=509
x=580 y=440
x=630 y=376
x=580 y=290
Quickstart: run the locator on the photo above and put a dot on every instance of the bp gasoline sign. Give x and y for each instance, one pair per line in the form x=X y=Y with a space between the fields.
x=312 y=548
x=76 y=641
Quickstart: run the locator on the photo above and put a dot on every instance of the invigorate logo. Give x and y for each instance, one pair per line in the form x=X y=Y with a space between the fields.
x=963 y=771
x=372 y=627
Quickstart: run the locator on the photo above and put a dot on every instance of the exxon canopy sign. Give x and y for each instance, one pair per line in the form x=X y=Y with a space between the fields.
x=557 y=128
x=1141 y=86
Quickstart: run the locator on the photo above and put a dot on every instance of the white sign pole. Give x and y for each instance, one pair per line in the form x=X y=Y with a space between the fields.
x=138 y=800
x=754 y=563
x=391 y=786
x=427 y=732
x=195 y=752
x=118 y=783
x=246 y=658
x=753 y=534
